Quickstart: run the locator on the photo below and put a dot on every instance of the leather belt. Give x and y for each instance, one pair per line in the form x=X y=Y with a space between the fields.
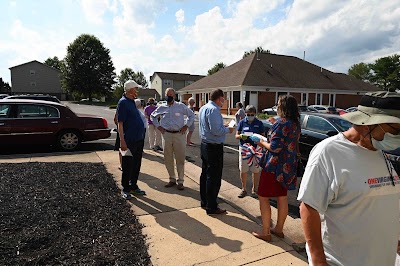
x=172 y=131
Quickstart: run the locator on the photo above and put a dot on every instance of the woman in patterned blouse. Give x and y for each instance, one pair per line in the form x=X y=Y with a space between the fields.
x=279 y=166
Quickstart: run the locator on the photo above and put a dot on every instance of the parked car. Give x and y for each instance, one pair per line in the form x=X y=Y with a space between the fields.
x=41 y=97
x=29 y=122
x=341 y=111
x=93 y=100
x=161 y=103
x=351 y=109
x=303 y=108
x=270 y=111
x=2 y=96
x=325 y=109
x=316 y=127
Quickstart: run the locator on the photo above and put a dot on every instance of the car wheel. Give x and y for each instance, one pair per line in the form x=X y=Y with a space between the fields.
x=69 y=140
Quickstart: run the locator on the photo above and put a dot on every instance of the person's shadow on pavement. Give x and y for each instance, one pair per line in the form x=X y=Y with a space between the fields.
x=185 y=226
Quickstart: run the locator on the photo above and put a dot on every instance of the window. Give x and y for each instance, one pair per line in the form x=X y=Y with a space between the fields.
x=35 y=111
x=4 y=110
x=167 y=82
x=304 y=98
x=188 y=82
x=319 y=124
x=32 y=72
x=236 y=97
x=33 y=84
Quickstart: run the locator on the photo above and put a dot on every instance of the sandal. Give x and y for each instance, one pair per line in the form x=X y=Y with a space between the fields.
x=280 y=235
x=266 y=238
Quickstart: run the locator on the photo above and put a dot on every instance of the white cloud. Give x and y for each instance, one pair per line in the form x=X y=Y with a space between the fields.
x=180 y=16
x=95 y=9
x=13 y=3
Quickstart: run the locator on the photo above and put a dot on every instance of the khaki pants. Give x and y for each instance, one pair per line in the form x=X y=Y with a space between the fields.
x=174 y=145
x=154 y=136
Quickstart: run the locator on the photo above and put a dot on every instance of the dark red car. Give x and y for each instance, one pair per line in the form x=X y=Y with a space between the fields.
x=31 y=122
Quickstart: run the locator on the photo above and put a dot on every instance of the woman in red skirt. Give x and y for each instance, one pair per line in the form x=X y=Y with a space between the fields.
x=279 y=167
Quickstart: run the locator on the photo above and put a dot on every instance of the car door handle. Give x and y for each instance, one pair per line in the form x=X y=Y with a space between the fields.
x=2 y=124
x=54 y=122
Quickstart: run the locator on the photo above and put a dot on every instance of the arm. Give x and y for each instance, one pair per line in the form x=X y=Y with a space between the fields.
x=154 y=118
x=116 y=119
x=121 y=136
x=312 y=232
x=237 y=135
x=216 y=127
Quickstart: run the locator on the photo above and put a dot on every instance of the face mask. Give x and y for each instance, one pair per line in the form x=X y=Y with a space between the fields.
x=169 y=99
x=250 y=118
x=390 y=142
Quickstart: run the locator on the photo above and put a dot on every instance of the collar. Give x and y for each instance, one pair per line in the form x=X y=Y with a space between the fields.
x=213 y=103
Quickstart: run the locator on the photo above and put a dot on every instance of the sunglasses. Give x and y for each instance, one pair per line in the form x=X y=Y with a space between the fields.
x=250 y=115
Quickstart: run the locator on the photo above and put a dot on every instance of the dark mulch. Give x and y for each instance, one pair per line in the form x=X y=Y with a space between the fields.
x=65 y=214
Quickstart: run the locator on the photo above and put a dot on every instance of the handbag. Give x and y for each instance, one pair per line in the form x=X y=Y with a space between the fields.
x=300 y=165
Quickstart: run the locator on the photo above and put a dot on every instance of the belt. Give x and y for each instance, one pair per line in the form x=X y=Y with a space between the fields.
x=212 y=144
x=172 y=131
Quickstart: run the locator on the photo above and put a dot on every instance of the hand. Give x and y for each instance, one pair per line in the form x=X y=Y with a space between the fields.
x=255 y=139
x=272 y=120
x=162 y=130
x=231 y=129
x=183 y=129
x=123 y=145
x=243 y=136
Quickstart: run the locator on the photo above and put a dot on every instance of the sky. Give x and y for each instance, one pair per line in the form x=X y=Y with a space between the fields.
x=191 y=36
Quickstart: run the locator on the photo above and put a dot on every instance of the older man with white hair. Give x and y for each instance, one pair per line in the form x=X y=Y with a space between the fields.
x=173 y=127
x=131 y=131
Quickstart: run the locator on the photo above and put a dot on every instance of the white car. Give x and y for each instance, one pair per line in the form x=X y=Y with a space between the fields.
x=325 y=109
x=161 y=103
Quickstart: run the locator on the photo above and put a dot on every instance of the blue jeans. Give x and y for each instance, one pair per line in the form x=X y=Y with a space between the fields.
x=131 y=165
x=212 y=156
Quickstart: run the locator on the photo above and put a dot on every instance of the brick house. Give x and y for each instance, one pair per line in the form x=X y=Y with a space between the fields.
x=259 y=79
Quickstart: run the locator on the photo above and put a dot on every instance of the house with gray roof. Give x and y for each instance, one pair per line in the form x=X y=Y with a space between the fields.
x=35 y=77
x=259 y=79
x=160 y=81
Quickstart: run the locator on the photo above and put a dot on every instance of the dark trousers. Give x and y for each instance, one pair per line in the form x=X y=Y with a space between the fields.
x=212 y=156
x=131 y=165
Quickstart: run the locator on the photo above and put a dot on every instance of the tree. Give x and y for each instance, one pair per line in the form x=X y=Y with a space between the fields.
x=125 y=75
x=88 y=68
x=54 y=62
x=259 y=50
x=4 y=87
x=360 y=71
x=217 y=67
x=386 y=72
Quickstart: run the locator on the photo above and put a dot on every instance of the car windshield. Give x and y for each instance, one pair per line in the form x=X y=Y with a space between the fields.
x=340 y=123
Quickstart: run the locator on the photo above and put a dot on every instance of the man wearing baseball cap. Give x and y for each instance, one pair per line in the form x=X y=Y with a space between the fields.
x=131 y=132
x=350 y=191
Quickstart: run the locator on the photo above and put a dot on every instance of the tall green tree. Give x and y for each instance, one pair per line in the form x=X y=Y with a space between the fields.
x=4 y=87
x=217 y=67
x=125 y=75
x=386 y=72
x=54 y=62
x=259 y=50
x=88 y=69
x=360 y=71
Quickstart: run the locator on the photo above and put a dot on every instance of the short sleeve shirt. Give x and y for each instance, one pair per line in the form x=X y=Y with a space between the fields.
x=132 y=121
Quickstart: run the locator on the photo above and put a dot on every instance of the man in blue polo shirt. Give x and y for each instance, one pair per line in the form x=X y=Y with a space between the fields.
x=131 y=132
x=250 y=124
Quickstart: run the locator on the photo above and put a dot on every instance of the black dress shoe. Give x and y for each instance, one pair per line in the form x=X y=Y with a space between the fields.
x=216 y=212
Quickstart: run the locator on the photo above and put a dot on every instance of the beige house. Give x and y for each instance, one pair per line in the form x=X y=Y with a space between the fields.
x=160 y=81
x=259 y=79
x=36 y=78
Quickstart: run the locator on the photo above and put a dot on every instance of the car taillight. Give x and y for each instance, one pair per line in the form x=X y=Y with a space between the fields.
x=105 y=123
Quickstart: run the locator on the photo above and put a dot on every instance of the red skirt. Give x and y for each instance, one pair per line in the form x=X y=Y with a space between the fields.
x=269 y=187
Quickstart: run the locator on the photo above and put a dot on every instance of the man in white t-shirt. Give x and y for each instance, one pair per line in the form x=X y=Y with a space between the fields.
x=350 y=191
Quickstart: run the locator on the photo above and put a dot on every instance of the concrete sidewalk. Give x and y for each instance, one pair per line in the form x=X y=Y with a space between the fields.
x=178 y=231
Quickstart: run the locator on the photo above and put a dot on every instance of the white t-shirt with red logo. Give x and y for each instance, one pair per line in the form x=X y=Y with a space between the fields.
x=350 y=187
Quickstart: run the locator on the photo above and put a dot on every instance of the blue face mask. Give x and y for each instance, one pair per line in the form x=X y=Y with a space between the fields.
x=169 y=99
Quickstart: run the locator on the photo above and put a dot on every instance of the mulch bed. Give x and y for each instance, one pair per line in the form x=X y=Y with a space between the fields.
x=65 y=214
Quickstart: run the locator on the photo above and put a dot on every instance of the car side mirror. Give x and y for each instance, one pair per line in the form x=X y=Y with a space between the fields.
x=331 y=133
